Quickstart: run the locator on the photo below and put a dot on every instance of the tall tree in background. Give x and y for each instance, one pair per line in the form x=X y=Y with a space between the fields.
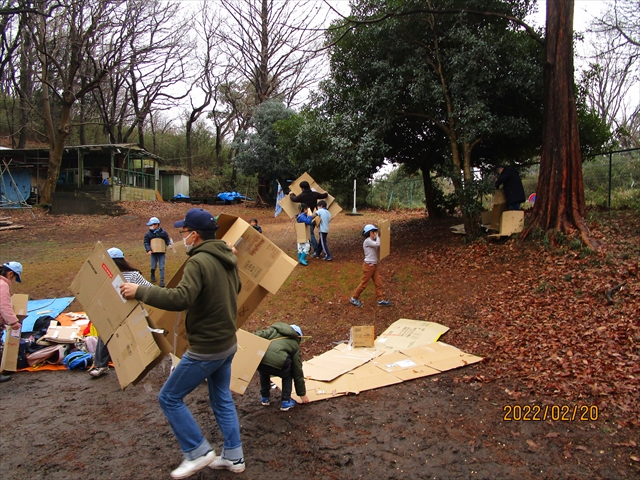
x=273 y=45
x=560 y=204
x=78 y=44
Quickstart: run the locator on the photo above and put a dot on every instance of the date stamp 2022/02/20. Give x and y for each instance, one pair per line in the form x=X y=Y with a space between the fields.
x=541 y=413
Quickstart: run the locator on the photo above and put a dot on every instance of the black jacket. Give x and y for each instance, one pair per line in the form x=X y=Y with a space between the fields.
x=309 y=198
x=513 y=189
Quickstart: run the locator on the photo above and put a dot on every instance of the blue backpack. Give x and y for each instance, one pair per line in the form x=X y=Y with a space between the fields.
x=78 y=359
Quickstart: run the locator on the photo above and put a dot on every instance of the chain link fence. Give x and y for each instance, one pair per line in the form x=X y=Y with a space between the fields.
x=611 y=180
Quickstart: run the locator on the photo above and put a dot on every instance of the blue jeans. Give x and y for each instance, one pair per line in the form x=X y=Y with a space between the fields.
x=158 y=259
x=183 y=380
x=314 y=242
x=513 y=206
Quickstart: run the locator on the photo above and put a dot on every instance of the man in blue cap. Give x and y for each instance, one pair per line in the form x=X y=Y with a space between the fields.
x=208 y=291
x=9 y=272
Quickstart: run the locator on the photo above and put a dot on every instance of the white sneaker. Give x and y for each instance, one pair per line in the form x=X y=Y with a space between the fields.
x=98 y=371
x=189 y=467
x=235 y=466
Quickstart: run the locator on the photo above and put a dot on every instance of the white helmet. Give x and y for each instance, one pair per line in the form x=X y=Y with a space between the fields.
x=368 y=228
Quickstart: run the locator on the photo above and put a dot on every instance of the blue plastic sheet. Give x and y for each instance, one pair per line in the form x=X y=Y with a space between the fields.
x=52 y=306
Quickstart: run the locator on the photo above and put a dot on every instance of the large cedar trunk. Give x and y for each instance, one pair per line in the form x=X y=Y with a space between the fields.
x=560 y=204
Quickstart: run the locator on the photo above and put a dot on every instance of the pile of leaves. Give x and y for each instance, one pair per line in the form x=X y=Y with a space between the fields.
x=560 y=325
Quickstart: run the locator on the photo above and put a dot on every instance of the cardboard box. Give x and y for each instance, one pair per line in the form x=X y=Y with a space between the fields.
x=384 y=230
x=511 y=221
x=158 y=245
x=486 y=218
x=10 y=350
x=362 y=336
x=19 y=304
x=263 y=268
x=291 y=208
x=134 y=342
x=303 y=232
x=499 y=206
x=251 y=350
x=97 y=288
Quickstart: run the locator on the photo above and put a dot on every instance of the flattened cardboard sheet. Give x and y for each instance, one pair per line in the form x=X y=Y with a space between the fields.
x=251 y=350
x=337 y=361
x=62 y=334
x=369 y=377
x=403 y=366
x=441 y=356
x=406 y=333
x=384 y=230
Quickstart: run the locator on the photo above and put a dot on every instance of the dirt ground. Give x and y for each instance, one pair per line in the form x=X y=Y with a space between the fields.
x=61 y=425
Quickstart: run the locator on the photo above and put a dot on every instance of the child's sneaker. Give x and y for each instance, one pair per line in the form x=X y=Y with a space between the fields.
x=356 y=302
x=235 y=466
x=287 y=405
x=384 y=303
x=265 y=401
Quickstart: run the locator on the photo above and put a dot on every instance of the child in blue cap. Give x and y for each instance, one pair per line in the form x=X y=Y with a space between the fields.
x=157 y=258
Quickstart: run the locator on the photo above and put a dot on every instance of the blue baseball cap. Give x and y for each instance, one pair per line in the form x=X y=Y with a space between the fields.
x=198 y=219
x=153 y=221
x=16 y=268
x=297 y=329
x=115 y=253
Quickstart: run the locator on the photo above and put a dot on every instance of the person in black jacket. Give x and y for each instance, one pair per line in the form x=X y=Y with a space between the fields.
x=310 y=198
x=513 y=189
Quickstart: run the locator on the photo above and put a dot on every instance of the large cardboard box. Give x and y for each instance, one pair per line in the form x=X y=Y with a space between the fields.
x=511 y=221
x=10 y=350
x=262 y=266
x=499 y=206
x=134 y=342
x=291 y=208
x=251 y=350
x=384 y=230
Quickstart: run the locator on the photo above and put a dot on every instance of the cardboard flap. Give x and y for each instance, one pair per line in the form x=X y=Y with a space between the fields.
x=133 y=348
x=97 y=287
x=384 y=230
x=369 y=377
x=403 y=366
x=251 y=350
x=19 y=305
x=337 y=361
x=441 y=356
x=405 y=333
x=303 y=232
x=279 y=272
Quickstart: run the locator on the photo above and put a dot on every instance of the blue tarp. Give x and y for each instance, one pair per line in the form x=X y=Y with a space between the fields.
x=181 y=196
x=15 y=187
x=230 y=196
x=55 y=305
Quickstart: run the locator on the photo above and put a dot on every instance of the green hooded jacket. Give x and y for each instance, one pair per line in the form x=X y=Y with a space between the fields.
x=208 y=291
x=285 y=342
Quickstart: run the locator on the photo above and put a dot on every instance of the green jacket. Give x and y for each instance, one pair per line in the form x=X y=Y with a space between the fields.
x=208 y=291
x=285 y=342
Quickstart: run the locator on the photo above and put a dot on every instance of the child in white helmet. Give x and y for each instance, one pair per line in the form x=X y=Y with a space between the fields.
x=157 y=258
x=370 y=269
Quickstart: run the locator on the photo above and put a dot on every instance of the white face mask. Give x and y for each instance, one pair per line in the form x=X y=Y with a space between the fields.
x=184 y=241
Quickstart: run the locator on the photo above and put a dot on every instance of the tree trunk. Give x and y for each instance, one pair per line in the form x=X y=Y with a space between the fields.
x=560 y=204
x=55 y=154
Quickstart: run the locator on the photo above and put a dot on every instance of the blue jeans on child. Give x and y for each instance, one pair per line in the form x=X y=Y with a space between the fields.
x=157 y=259
x=183 y=380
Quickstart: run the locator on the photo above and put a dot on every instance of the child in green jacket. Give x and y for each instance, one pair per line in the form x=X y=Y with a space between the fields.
x=283 y=360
